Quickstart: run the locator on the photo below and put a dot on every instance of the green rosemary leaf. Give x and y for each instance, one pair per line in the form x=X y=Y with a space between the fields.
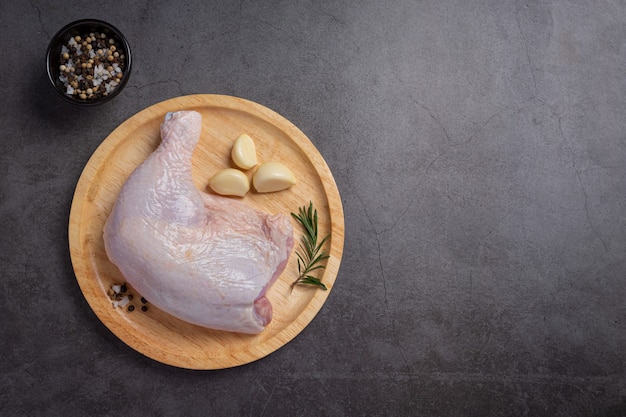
x=318 y=247
x=314 y=268
x=301 y=259
x=309 y=280
x=319 y=258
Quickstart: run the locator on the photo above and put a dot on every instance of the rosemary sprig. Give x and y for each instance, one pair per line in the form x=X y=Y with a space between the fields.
x=311 y=252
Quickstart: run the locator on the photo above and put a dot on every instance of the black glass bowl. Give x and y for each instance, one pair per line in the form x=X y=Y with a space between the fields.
x=80 y=28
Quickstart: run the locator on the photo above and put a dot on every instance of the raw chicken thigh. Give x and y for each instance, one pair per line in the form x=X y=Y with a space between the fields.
x=205 y=259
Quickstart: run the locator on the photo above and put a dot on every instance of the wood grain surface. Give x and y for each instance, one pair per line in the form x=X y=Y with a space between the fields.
x=154 y=333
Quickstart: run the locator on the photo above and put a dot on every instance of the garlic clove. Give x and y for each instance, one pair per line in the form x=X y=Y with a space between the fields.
x=272 y=176
x=244 y=152
x=230 y=182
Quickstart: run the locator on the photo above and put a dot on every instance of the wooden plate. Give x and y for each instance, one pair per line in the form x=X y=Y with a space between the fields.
x=153 y=332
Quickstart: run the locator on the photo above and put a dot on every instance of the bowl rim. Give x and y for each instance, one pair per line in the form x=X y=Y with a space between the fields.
x=62 y=35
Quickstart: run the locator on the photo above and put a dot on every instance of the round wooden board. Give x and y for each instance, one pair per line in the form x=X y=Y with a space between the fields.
x=154 y=333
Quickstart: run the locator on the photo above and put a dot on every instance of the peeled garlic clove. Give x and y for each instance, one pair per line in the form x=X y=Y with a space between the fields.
x=230 y=181
x=244 y=152
x=272 y=176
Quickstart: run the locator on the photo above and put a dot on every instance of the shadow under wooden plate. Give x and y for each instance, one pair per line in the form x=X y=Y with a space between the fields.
x=155 y=333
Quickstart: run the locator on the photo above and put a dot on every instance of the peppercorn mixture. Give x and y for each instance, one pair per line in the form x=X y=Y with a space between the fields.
x=91 y=66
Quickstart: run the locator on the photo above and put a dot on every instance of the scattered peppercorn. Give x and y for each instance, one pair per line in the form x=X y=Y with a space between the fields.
x=121 y=297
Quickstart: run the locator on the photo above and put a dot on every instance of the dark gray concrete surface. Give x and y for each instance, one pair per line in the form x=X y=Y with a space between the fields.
x=479 y=150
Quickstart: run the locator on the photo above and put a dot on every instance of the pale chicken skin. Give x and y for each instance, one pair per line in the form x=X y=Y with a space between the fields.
x=203 y=258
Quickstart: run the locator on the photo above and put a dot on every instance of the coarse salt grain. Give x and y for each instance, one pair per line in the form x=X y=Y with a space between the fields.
x=124 y=301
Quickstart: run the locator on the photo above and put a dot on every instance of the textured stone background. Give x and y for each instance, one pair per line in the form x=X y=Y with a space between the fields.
x=479 y=149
